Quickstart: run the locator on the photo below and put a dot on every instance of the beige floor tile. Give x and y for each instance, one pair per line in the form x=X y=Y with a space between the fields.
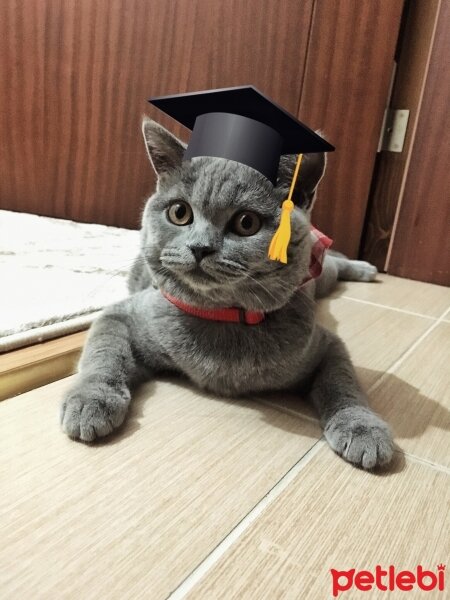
x=415 y=399
x=131 y=517
x=397 y=292
x=375 y=336
x=333 y=516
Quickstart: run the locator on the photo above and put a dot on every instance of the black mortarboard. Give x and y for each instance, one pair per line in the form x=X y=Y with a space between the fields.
x=240 y=124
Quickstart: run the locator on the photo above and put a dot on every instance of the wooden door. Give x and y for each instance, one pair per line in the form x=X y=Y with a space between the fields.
x=409 y=217
x=75 y=76
x=349 y=64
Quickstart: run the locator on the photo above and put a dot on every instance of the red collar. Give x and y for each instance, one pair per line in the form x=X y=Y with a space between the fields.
x=230 y=315
x=320 y=243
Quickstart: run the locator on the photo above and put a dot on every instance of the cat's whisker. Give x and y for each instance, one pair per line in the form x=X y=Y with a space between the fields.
x=227 y=271
x=233 y=265
x=258 y=299
x=172 y=261
x=116 y=273
x=122 y=269
x=263 y=287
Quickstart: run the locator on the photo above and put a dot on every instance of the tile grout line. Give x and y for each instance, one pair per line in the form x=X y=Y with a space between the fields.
x=213 y=557
x=413 y=457
x=425 y=461
x=288 y=411
x=445 y=314
x=406 y=354
x=394 y=308
x=377 y=383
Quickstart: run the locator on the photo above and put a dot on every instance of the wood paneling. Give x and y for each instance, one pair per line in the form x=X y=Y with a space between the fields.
x=22 y=104
x=420 y=248
x=75 y=75
x=391 y=170
x=350 y=57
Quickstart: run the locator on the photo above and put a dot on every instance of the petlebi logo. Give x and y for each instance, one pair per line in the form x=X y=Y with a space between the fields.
x=388 y=580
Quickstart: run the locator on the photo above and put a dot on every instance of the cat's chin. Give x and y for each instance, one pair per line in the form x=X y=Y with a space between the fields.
x=202 y=290
x=219 y=296
x=199 y=278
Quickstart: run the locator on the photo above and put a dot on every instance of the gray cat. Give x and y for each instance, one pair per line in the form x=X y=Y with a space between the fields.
x=205 y=235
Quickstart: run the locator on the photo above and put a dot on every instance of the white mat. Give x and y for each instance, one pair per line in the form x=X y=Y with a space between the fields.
x=55 y=275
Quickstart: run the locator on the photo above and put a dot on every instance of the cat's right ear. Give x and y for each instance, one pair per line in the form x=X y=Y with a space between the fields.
x=164 y=150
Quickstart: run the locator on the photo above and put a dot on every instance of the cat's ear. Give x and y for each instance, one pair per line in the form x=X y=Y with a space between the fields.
x=164 y=149
x=311 y=172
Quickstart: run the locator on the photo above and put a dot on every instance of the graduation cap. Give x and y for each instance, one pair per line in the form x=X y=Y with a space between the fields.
x=243 y=125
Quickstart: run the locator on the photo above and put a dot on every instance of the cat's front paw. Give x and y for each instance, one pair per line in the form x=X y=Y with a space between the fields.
x=360 y=436
x=93 y=410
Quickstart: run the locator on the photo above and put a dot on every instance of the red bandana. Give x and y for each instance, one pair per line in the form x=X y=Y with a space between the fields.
x=252 y=317
x=320 y=244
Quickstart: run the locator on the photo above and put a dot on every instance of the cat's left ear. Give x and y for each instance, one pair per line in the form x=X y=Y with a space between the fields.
x=164 y=149
x=311 y=172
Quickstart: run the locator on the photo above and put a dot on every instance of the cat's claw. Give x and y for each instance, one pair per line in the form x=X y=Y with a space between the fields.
x=90 y=411
x=360 y=437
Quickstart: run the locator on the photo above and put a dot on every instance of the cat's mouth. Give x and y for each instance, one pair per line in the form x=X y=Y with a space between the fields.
x=199 y=274
x=198 y=280
x=191 y=273
x=207 y=271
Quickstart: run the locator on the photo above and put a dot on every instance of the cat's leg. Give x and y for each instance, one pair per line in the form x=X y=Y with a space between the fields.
x=348 y=269
x=354 y=270
x=351 y=428
x=336 y=267
x=108 y=369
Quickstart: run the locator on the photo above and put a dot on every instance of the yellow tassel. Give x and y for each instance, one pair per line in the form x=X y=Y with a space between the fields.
x=280 y=241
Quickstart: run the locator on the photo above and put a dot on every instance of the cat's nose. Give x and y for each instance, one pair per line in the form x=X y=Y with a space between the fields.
x=201 y=251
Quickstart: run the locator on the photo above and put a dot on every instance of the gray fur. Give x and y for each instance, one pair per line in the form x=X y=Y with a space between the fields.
x=144 y=335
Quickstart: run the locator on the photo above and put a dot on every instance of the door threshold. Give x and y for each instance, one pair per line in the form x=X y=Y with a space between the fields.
x=29 y=368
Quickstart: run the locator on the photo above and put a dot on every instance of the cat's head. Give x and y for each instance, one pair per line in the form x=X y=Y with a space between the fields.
x=208 y=226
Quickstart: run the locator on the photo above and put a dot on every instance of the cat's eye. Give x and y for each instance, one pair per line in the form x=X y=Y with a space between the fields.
x=246 y=223
x=180 y=213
